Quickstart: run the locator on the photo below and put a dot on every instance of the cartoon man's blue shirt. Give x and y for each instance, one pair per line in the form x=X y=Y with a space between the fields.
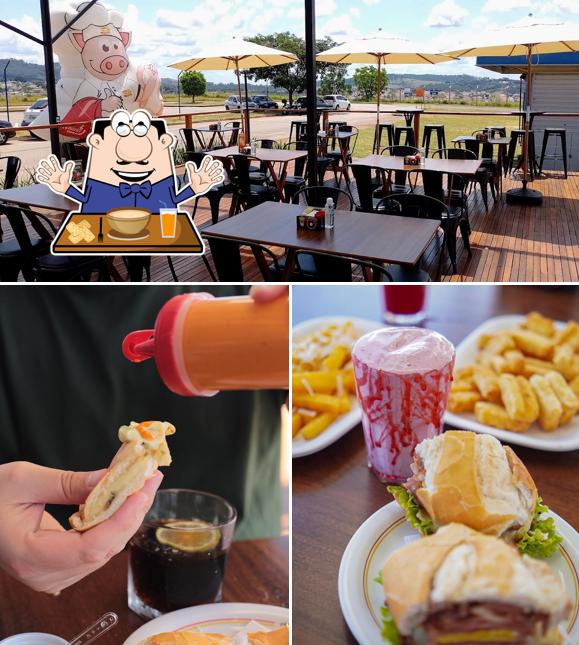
x=100 y=197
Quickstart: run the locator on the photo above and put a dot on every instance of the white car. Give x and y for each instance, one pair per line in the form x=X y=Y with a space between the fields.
x=337 y=101
x=232 y=103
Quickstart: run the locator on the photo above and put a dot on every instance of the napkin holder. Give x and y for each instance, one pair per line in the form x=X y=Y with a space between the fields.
x=312 y=219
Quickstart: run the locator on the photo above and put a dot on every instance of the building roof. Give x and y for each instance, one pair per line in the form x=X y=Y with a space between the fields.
x=542 y=63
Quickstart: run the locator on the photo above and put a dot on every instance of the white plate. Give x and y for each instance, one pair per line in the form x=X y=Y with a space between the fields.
x=386 y=531
x=302 y=447
x=221 y=618
x=561 y=440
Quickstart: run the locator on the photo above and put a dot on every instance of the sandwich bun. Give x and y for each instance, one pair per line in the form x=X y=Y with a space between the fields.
x=472 y=479
x=456 y=566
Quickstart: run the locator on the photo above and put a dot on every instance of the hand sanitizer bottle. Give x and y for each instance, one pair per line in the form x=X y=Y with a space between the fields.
x=330 y=208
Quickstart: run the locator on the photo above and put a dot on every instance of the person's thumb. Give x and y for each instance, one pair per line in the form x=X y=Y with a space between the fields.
x=108 y=92
x=37 y=484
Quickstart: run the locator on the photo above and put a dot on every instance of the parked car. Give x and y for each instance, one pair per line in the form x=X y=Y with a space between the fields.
x=264 y=102
x=34 y=110
x=6 y=134
x=232 y=103
x=302 y=102
x=337 y=101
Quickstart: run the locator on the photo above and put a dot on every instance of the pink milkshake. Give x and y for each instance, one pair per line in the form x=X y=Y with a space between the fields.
x=403 y=378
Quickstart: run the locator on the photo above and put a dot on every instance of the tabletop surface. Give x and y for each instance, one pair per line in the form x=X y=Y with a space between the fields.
x=456 y=166
x=389 y=238
x=37 y=196
x=223 y=128
x=263 y=154
x=333 y=490
x=257 y=572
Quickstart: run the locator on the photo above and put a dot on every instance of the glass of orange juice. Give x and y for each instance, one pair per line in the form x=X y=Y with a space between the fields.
x=168 y=222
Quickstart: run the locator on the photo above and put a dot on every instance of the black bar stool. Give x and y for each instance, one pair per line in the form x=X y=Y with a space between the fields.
x=389 y=128
x=408 y=130
x=517 y=137
x=429 y=130
x=561 y=134
x=497 y=130
x=300 y=128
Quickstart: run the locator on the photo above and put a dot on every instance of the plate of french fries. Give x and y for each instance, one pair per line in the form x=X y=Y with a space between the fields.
x=324 y=405
x=517 y=378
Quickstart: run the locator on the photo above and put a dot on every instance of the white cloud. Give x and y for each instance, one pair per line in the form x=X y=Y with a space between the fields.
x=446 y=14
x=566 y=6
x=370 y=2
x=323 y=8
x=355 y=12
x=502 y=6
x=14 y=46
x=339 y=28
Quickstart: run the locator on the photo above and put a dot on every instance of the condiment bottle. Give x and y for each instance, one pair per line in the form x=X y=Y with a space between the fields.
x=329 y=213
x=202 y=344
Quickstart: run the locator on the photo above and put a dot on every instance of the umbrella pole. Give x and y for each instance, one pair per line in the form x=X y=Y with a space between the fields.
x=240 y=105
x=526 y=196
x=377 y=133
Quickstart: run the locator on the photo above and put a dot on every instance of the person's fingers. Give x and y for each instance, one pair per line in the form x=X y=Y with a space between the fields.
x=267 y=293
x=46 y=166
x=54 y=162
x=41 y=485
x=191 y=167
x=68 y=168
x=111 y=536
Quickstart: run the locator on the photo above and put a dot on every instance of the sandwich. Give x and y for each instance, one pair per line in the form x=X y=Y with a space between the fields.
x=144 y=448
x=278 y=636
x=474 y=480
x=462 y=587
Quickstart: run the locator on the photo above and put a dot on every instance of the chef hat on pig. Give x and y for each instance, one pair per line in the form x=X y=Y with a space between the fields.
x=97 y=15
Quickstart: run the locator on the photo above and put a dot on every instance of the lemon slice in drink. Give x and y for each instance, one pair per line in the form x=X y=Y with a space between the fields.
x=191 y=536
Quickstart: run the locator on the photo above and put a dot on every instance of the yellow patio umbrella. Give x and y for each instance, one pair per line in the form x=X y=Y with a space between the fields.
x=233 y=55
x=381 y=49
x=524 y=39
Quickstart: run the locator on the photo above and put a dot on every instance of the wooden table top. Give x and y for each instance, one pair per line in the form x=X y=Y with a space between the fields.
x=37 y=196
x=263 y=154
x=333 y=490
x=257 y=572
x=150 y=241
x=455 y=166
x=387 y=238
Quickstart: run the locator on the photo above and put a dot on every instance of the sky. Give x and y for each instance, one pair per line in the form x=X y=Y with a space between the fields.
x=166 y=31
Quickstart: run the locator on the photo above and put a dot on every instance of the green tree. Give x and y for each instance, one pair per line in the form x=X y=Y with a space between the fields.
x=193 y=84
x=365 y=79
x=290 y=77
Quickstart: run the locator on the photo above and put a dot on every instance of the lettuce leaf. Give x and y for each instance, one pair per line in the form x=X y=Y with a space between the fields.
x=378 y=578
x=390 y=633
x=415 y=515
x=542 y=539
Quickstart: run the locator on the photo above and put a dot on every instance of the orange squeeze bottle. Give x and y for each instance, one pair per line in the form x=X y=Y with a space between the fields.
x=202 y=344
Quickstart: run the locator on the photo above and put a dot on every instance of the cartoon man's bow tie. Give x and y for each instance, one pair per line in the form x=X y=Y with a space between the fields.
x=144 y=189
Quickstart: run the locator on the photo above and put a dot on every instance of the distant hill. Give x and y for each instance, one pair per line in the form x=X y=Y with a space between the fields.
x=20 y=70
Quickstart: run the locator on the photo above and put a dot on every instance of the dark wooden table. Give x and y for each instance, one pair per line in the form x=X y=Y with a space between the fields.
x=37 y=196
x=333 y=490
x=393 y=164
x=367 y=236
x=257 y=572
x=271 y=157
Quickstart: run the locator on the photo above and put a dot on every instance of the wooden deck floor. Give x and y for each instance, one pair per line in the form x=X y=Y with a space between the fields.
x=509 y=243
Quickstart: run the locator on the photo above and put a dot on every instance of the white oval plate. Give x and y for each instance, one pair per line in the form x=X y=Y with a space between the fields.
x=342 y=425
x=386 y=531
x=221 y=618
x=561 y=440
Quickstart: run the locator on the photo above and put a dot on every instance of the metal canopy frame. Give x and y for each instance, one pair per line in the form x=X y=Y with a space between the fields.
x=47 y=41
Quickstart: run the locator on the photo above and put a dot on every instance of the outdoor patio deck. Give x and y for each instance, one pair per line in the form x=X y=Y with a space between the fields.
x=509 y=243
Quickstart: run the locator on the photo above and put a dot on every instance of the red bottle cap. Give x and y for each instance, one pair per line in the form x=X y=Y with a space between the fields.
x=162 y=344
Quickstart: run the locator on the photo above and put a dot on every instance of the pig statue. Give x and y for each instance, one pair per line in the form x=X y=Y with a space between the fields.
x=97 y=76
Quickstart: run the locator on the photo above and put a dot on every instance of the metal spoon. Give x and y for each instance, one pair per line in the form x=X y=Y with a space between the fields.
x=103 y=624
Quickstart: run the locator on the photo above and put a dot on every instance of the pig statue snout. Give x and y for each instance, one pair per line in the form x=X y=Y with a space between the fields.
x=114 y=65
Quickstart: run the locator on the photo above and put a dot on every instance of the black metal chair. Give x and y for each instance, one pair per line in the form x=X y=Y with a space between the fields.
x=235 y=125
x=294 y=182
x=449 y=189
x=318 y=195
x=247 y=194
x=333 y=268
x=75 y=151
x=399 y=184
x=482 y=177
x=31 y=255
x=187 y=136
x=215 y=195
x=431 y=129
x=378 y=133
x=268 y=144
x=11 y=170
x=369 y=192
x=226 y=256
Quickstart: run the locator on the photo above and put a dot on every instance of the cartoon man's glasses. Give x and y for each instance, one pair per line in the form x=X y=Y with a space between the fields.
x=123 y=124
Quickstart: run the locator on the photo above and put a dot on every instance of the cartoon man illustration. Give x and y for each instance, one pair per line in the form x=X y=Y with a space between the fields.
x=130 y=165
